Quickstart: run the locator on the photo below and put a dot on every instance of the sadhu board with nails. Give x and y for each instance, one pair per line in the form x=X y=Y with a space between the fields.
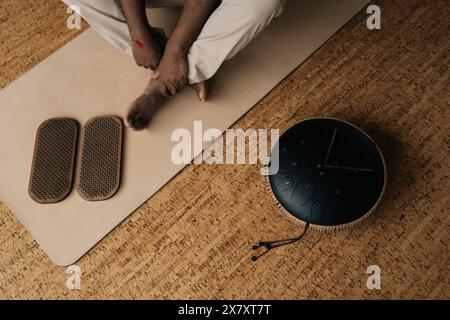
x=53 y=163
x=100 y=160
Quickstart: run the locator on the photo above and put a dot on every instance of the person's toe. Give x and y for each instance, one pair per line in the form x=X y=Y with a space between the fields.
x=133 y=118
x=130 y=119
x=201 y=89
x=138 y=121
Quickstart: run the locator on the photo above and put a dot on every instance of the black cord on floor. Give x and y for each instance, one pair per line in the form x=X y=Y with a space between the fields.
x=269 y=245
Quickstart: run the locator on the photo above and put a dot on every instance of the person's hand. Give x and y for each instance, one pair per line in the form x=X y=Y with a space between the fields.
x=172 y=72
x=146 y=56
x=147 y=52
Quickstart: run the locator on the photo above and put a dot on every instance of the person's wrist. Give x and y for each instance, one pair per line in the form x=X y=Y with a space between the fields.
x=174 y=48
x=142 y=34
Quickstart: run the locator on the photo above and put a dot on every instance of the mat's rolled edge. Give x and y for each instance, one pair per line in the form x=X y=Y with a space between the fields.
x=118 y=120
x=72 y=167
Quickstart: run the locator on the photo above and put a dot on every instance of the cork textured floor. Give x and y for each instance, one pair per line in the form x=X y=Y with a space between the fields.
x=192 y=239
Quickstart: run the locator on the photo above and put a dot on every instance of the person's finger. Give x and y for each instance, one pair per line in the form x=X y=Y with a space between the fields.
x=184 y=82
x=172 y=89
x=179 y=85
x=163 y=90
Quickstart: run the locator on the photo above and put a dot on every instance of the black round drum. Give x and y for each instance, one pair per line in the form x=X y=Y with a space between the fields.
x=331 y=174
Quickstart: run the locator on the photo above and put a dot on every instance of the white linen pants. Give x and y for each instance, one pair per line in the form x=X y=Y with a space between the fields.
x=228 y=30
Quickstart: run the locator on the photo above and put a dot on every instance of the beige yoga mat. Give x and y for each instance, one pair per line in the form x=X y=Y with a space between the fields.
x=88 y=78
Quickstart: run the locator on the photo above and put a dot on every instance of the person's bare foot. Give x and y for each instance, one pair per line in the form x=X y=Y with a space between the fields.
x=142 y=109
